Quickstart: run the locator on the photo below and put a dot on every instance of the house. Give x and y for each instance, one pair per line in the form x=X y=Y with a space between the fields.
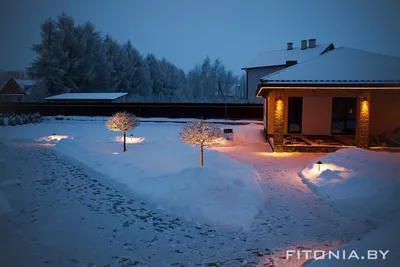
x=343 y=92
x=16 y=90
x=272 y=61
x=88 y=97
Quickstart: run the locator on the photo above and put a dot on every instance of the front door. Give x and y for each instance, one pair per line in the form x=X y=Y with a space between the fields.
x=344 y=115
x=295 y=114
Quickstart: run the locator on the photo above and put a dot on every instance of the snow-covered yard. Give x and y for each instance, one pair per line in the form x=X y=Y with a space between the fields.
x=250 y=203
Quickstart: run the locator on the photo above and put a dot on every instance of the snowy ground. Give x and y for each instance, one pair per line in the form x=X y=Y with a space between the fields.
x=70 y=203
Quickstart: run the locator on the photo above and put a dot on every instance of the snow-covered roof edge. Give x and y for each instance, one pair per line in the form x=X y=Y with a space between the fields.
x=86 y=96
x=270 y=78
x=279 y=57
x=23 y=83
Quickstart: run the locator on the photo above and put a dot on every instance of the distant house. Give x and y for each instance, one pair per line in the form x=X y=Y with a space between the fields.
x=271 y=61
x=345 y=91
x=16 y=90
x=88 y=97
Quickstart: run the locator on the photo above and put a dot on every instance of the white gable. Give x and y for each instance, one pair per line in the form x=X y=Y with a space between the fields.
x=23 y=83
x=279 y=57
x=341 y=66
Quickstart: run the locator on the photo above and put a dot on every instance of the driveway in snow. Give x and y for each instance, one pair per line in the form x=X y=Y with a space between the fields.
x=60 y=213
x=293 y=216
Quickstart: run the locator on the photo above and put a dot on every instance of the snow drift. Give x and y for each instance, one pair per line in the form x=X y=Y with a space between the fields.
x=365 y=184
x=222 y=193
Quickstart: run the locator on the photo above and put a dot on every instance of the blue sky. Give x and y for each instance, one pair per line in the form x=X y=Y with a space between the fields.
x=185 y=31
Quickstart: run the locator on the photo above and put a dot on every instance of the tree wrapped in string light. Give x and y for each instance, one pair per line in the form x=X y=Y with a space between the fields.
x=122 y=122
x=200 y=133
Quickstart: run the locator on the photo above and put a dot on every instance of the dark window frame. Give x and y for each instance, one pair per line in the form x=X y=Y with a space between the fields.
x=300 y=117
x=347 y=104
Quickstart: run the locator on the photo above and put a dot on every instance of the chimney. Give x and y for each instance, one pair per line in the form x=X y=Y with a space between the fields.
x=303 y=44
x=312 y=43
x=289 y=46
x=290 y=63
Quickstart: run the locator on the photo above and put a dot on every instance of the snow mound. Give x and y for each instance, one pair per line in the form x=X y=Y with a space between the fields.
x=53 y=138
x=244 y=134
x=222 y=193
x=363 y=183
x=329 y=175
x=203 y=193
x=251 y=133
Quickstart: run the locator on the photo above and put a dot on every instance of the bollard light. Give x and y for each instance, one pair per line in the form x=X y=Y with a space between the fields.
x=319 y=165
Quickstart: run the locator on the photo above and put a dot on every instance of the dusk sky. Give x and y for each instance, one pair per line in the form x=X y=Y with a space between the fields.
x=185 y=31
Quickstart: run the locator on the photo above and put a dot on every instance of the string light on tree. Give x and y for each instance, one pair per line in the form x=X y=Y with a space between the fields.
x=200 y=133
x=122 y=121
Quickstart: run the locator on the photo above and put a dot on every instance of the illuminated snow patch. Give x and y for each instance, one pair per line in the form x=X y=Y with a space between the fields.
x=54 y=137
x=129 y=139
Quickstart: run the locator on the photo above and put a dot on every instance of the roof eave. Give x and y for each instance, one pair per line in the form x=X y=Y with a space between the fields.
x=260 y=67
x=327 y=86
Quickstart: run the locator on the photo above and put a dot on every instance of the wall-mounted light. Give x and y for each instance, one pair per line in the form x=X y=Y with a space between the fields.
x=365 y=103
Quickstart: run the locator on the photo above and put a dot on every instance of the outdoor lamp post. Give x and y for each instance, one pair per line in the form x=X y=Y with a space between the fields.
x=319 y=165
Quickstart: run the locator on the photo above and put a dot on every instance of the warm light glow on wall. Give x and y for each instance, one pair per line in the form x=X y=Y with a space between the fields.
x=364 y=114
x=365 y=106
x=364 y=119
x=278 y=120
x=279 y=105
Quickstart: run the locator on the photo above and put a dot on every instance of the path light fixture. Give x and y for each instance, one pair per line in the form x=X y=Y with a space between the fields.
x=319 y=165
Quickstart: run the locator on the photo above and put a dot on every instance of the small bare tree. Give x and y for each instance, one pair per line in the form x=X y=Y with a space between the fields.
x=200 y=133
x=122 y=121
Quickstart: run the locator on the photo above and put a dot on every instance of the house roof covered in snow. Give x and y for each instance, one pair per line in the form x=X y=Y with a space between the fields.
x=344 y=66
x=25 y=85
x=279 y=57
x=87 y=96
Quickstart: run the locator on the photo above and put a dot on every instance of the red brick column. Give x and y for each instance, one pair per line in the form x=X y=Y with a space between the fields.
x=363 y=123
x=279 y=113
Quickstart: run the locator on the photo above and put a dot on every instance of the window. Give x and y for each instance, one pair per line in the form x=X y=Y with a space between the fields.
x=295 y=114
x=344 y=114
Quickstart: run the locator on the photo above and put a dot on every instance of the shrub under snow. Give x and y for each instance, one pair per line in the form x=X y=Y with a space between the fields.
x=11 y=120
x=18 y=120
x=36 y=118
x=2 y=122
x=25 y=119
